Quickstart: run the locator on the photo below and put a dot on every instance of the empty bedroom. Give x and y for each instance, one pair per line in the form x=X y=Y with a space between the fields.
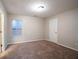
x=38 y=29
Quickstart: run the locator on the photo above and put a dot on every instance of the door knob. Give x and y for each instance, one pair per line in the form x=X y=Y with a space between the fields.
x=0 y=31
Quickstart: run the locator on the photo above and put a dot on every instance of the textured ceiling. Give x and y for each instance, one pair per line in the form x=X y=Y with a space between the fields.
x=24 y=7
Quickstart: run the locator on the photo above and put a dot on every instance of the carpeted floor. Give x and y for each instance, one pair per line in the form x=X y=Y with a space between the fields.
x=38 y=50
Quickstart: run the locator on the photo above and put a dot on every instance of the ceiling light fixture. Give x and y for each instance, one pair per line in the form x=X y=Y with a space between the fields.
x=39 y=7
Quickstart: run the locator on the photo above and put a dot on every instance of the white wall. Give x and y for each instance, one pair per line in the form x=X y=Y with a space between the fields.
x=33 y=29
x=61 y=29
x=64 y=27
x=4 y=19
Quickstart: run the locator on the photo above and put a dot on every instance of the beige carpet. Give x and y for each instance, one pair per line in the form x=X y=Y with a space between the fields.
x=38 y=50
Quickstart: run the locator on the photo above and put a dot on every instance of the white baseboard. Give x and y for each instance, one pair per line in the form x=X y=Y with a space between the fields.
x=24 y=41
x=43 y=39
x=64 y=46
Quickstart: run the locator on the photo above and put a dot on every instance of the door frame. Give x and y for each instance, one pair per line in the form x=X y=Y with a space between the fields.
x=2 y=29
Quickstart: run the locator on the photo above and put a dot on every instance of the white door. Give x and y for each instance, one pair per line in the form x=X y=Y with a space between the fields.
x=53 y=30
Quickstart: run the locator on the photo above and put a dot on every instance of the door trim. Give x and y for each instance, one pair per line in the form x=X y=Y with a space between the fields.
x=2 y=29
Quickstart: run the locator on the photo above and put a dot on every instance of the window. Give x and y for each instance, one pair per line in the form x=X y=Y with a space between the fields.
x=16 y=27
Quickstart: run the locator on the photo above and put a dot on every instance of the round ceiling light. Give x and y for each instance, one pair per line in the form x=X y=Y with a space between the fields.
x=39 y=7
